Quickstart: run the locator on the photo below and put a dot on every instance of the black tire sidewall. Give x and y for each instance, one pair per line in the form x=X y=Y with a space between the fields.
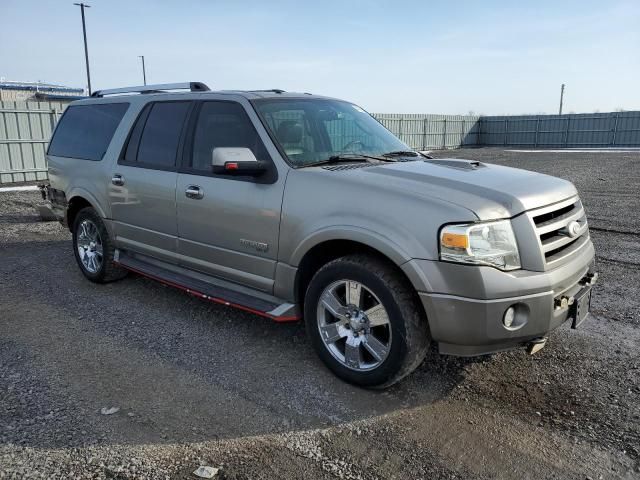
x=398 y=352
x=90 y=214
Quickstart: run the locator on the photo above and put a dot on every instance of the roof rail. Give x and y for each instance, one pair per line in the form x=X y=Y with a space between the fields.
x=192 y=86
x=274 y=90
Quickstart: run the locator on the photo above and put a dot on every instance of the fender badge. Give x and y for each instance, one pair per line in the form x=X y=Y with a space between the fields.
x=259 y=246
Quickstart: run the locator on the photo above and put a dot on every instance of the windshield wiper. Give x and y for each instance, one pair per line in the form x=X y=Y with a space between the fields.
x=348 y=157
x=401 y=153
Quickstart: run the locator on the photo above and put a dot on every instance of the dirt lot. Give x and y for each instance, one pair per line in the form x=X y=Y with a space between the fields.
x=200 y=384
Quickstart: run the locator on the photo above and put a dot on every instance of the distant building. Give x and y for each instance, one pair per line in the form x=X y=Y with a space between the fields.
x=36 y=91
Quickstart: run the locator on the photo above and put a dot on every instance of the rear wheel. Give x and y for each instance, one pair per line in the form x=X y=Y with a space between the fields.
x=365 y=322
x=93 y=248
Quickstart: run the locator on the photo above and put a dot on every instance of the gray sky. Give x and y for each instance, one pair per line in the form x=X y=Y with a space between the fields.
x=490 y=57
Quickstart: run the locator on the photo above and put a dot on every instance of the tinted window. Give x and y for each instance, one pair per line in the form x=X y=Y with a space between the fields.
x=85 y=131
x=223 y=124
x=134 y=138
x=159 y=141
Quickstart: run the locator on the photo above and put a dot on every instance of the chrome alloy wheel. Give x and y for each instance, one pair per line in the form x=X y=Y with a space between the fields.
x=354 y=325
x=89 y=246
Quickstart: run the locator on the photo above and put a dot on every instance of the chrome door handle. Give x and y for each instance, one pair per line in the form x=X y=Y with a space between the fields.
x=194 y=191
x=117 y=180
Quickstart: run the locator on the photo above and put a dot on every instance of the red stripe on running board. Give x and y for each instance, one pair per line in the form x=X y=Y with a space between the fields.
x=219 y=301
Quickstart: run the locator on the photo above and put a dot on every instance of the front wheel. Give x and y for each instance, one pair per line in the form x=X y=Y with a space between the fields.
x=365 y=322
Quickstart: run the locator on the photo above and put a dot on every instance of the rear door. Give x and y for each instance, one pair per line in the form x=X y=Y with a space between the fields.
x=231 y=230
x=143 y=190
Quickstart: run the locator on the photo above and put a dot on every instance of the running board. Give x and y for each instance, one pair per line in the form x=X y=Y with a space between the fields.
x=270 y=308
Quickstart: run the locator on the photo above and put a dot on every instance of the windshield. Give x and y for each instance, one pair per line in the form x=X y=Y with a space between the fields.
x=313 y=130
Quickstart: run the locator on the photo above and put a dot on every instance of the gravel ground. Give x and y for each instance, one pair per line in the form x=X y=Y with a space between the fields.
x=200 y=384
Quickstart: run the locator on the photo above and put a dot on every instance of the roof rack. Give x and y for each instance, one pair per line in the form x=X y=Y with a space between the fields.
x=192 y=86
x=273 y=90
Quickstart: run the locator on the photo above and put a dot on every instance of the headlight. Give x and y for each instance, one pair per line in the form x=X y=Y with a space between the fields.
x=491 y=244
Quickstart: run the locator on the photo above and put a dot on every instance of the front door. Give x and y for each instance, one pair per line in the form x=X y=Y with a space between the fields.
x=143 y=189
x=230 y=227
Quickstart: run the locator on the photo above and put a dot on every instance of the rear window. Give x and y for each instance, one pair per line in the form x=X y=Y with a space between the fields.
x=85 y=131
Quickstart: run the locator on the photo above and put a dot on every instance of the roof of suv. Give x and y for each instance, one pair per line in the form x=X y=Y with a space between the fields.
x=275 y=93
x=189 y=88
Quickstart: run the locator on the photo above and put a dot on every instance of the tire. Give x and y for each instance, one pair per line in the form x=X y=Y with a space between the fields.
x=397 y=347
x=91 y=241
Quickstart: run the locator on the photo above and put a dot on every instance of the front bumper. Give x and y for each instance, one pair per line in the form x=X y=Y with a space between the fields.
x=465 y=304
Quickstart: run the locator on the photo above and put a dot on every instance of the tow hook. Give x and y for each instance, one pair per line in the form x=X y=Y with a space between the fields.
x=536 y=345
x=563 y=302
x=590 y=278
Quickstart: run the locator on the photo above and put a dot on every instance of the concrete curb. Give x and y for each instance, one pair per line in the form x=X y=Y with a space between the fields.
x=26 y=188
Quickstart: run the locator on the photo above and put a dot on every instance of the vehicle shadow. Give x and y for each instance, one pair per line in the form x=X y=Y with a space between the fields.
x=19 y=218
x=178 y=368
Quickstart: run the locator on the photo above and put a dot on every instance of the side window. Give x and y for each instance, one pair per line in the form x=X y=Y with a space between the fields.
x=223 y=124
x=85 y=131
x=158 y=129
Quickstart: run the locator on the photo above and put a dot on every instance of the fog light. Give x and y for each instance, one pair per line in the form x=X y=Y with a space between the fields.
x=509 y=317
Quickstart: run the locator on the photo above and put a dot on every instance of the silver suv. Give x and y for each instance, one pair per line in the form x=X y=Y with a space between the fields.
x=293 y=205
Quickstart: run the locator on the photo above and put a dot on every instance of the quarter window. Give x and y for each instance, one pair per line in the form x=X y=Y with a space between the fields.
x=85 y=131
x=223 y=124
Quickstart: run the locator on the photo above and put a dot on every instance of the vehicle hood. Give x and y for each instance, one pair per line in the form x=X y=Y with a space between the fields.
x=489 y=191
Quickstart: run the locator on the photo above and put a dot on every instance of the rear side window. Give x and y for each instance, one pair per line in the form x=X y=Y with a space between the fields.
x=85 y=131
x=158 y=145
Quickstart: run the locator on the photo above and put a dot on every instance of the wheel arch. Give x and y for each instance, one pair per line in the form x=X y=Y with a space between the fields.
x=79 y=199
x=328 y=248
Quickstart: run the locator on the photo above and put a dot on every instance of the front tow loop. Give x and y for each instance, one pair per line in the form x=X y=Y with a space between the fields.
x=536 y=345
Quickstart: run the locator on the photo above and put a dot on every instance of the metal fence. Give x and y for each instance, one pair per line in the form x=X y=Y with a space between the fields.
x=25 y=128
x=614 y=129
x=432 y=131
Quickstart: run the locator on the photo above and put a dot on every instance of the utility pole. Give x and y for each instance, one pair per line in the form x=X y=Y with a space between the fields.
x=561 y=98
x=144 y=73
x=84 y=34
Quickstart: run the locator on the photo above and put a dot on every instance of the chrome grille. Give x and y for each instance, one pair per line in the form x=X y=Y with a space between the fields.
x=561 y=228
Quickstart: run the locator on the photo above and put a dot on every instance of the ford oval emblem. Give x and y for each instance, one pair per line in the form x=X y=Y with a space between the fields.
x=573 y=229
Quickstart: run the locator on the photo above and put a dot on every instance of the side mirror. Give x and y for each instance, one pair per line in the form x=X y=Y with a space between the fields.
x=236 y=161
